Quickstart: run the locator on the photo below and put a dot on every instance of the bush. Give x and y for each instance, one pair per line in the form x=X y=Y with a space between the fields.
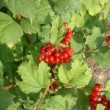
x=43 y=47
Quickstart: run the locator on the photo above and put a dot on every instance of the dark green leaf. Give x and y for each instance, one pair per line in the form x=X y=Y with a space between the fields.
x=102 y=57
x=5 y=99
x=95 y=39
x=77 y=42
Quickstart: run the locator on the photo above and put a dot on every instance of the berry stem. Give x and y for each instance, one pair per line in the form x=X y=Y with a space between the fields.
x=86 y=90
x=28 y=39
x=86 y=51
x=42 y=98
x=9 y=86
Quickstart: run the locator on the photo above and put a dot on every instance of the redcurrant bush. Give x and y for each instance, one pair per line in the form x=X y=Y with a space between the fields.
x=44 y=46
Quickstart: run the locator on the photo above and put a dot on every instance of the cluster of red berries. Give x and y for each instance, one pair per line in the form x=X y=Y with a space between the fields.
x=107 y=40
x=96 y=98
x=55 y=54
x=67 y=37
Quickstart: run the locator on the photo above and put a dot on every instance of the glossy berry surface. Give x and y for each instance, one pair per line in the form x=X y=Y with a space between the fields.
x=55 y=55
x=67 y=37
x=107 y=40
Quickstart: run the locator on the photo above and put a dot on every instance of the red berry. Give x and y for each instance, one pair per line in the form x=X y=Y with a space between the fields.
x=49 y=53
x=39 y=58
x=46 y=59
x=93 y=98
x=65 y=55
x=69 y=35
x=68 y=30
x=57 y=60
x=51 y=59
x=56 y=54
x=108 y=105
x=65 y=23
x=107 y=40
x=65 y=42
x=61 y=57
x=42 y=50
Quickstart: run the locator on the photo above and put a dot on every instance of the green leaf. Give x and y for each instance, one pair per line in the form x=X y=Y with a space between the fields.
x=44 y=12
x=79 y=75
x=51 y=33
x=64 y=74
x=22 y=7
x=107 y=88
x=54 y=29
x=95 y=39
x=77 y=42
x=82 y=98
x=102 y=57
x=105 y=11
x=103 y=2
x=29 y=27
x=77 y=20
x=59 y=103
x=10 y=31
x=43 y=15
x=65 y=6
x=93 y=6
x=82 y=101
x=44 y=34
x=34 y=78
x=82 y=74
x=6 y=58
x=5 y=54
x=100 y=107
x=5 y=99
x=107 y=94
x=14 y=106
x=2 y=3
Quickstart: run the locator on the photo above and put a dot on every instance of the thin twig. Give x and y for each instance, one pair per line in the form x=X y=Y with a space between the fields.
x=42 y=98
x=86 y=51
x=86 y=90
x=9 y=86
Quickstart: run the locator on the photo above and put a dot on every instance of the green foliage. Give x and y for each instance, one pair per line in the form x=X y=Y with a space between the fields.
x=14 y=106
x=59 y=102
x=34 y=78
x=62 y=7
x=5 y=99
x=24 y=8
x=25 y=26
x=107 y=88
x=10 y=31
x=100 y=107
x=102 y=56
x=95 y=39
x=79 y=75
